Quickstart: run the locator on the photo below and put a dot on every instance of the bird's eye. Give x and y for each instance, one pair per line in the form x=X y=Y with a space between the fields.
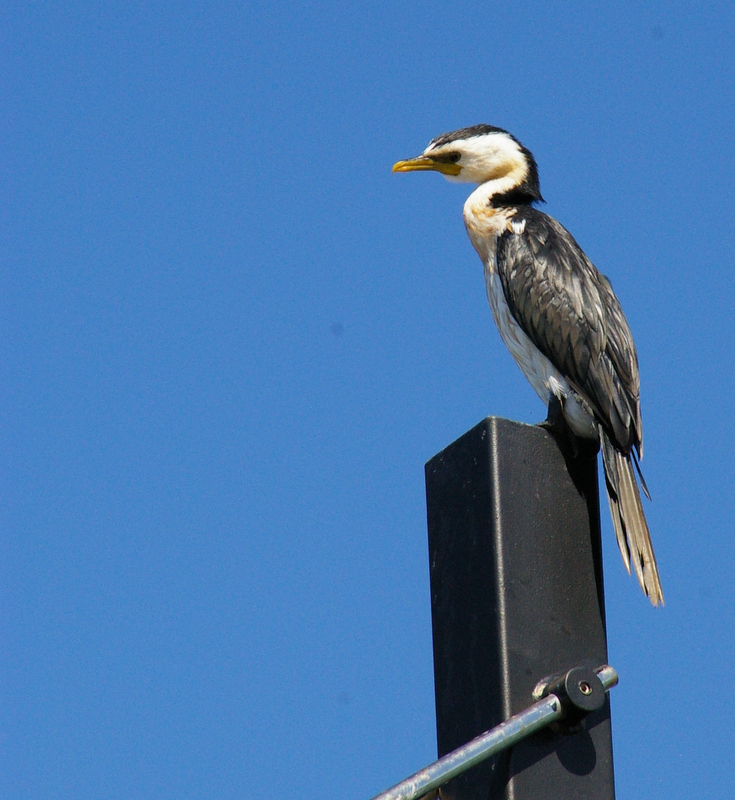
x=446 y=158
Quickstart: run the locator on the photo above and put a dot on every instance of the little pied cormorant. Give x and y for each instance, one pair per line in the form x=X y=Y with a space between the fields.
x=557 y=314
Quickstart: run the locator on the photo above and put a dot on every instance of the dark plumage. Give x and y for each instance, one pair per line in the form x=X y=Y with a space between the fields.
x=569 y=311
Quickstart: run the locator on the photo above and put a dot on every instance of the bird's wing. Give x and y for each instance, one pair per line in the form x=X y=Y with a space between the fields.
x=570 y=312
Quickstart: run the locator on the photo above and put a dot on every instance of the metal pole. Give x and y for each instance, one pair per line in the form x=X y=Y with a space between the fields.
x=516 y=595
x=505 y=735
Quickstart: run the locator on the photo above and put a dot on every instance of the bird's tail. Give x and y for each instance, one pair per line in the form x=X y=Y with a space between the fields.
x=631 y=528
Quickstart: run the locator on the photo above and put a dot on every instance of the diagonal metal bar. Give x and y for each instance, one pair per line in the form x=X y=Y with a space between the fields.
x=499 y=738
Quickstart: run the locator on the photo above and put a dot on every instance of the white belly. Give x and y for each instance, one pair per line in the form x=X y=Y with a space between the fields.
x=540 y=372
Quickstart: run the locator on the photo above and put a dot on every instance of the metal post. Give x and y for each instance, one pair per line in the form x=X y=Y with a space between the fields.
x=517 y=596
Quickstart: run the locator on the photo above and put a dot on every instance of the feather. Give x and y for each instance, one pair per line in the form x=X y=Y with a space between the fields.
x=574 y=319
x=570 y=313
x=629 y=521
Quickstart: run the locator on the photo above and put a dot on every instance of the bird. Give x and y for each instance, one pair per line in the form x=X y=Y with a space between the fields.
x=558 y=316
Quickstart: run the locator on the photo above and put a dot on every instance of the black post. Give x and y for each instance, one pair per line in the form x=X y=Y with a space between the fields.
x=516 y=597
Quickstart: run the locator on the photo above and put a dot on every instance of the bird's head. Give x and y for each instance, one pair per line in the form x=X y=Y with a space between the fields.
x=480 y=154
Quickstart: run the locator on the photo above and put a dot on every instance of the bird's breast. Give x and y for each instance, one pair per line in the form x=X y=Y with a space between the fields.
x=485 y=224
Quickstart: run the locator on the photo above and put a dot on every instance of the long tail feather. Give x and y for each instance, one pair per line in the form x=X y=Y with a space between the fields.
x=631 y=528
x=640 y=475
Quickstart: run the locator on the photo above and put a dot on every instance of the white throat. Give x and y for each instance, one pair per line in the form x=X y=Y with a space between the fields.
x=484 y=222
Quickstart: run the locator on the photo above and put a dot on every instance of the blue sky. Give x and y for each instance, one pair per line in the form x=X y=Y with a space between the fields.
x=232 y=338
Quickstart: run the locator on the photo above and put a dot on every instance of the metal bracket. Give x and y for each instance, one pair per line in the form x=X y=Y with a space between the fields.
x=565 y=699
x=580 y=690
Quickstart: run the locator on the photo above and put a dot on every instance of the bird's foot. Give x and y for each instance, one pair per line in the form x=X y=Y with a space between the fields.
x=557 y=426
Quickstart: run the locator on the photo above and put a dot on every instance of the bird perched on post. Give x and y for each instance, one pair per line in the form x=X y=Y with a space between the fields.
x=558 y=316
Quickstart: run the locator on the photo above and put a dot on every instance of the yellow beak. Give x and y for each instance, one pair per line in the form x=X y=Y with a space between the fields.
x=421 y=163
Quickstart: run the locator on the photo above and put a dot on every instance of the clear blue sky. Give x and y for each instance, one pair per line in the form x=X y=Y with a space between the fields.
x=232 y=338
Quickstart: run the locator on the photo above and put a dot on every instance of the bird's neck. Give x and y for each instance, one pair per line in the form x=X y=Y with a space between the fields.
x=484 y=220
